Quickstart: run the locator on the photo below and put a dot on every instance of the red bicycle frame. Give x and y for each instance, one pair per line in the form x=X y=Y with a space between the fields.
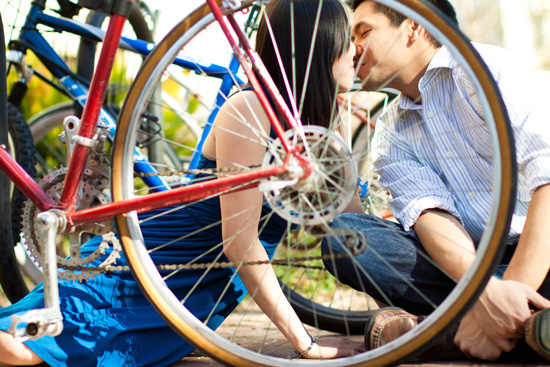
x=258 y=76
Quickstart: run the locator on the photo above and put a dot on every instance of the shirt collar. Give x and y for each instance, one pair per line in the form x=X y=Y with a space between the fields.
x=441 y=60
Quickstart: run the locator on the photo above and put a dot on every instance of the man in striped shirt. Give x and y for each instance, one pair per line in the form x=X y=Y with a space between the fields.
x=433 y=152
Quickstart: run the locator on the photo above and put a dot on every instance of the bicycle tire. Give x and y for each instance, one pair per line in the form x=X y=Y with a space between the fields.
x=46 y=126
x=50 y=122
x=10 y=276
x=21 y=147
x=198 y=334
x=346 y=322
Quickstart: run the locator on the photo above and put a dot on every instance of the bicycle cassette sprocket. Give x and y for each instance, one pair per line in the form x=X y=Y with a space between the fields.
x=325 y=192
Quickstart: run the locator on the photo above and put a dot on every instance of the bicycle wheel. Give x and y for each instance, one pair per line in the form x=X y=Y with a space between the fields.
x=51 y=152
x=10 y=276
x=156 y=284
x=21 y=148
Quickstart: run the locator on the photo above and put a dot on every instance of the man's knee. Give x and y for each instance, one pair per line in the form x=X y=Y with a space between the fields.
x=337 y=255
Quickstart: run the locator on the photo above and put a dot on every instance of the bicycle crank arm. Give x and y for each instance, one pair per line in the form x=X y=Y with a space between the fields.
x=355 y=241
x=37 y=323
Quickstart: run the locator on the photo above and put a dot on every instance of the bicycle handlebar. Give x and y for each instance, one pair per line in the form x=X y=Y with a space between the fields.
x=69 y=9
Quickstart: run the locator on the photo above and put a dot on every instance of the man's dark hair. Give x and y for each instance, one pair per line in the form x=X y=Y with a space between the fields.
x=397 y=18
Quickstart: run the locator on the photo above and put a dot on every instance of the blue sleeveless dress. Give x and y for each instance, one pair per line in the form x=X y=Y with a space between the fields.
x=109 y=322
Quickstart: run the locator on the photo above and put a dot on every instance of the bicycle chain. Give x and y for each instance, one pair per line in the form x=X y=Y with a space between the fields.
x=209 y=171
x=199 y=266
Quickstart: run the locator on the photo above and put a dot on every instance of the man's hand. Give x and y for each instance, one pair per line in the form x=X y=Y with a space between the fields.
x=498 y=318
x=504 y=306
x=473 y=342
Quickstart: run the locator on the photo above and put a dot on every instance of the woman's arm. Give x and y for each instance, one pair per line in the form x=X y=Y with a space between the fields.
x=236 y=143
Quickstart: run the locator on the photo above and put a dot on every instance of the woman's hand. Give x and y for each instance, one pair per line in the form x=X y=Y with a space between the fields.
x=335 y=347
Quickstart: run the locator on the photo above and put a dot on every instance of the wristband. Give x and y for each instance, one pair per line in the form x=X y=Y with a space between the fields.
x=305 y=352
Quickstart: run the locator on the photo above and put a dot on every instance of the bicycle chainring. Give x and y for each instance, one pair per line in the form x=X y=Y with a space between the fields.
x=92 y=192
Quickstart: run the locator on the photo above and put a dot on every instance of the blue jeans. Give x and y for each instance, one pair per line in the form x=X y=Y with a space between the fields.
x=394 y=268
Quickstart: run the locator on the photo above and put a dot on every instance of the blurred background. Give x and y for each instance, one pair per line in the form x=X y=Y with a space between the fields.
x=523 y=26
x=520 y=26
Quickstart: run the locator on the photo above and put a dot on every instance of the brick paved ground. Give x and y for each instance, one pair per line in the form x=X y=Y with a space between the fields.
x=274 y=343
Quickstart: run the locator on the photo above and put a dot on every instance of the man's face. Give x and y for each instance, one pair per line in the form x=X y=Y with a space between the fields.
x=381 y=47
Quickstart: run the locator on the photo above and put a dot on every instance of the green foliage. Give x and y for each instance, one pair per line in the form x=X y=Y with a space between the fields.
x=39 y=95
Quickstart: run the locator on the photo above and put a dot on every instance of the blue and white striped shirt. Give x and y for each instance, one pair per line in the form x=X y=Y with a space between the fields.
x=438 y=154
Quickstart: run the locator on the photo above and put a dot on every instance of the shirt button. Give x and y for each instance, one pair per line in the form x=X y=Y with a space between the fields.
x=430 y=115
x=473 y=195
x=449 y=154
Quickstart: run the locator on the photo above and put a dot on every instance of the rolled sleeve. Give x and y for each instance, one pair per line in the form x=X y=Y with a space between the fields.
x=538 y=174
x=533 y=151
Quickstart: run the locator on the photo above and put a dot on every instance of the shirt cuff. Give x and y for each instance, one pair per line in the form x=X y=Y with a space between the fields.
x=537 y=174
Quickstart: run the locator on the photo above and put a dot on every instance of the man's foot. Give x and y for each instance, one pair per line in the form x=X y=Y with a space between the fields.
x=537 y=333
x=387 y=324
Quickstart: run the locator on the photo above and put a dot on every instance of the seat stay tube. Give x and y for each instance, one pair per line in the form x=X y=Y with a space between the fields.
x=253 y=79
x=90 y=115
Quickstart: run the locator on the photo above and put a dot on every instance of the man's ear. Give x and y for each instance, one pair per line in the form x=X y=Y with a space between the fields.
x=415 y=31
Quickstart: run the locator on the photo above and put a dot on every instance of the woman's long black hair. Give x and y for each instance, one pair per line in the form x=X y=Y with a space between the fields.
x=331 y=41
